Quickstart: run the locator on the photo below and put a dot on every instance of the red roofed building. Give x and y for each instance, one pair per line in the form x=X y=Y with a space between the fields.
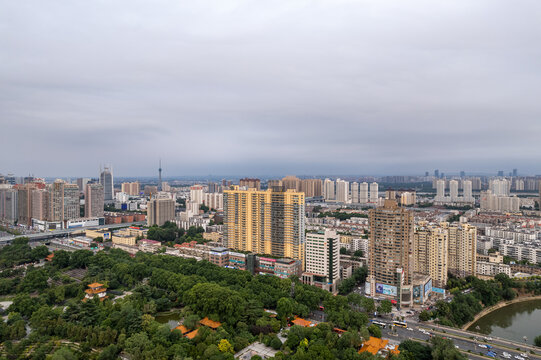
x=210 y=323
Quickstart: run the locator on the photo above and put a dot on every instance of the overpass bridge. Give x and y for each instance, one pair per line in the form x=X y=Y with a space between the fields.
x=44 y=236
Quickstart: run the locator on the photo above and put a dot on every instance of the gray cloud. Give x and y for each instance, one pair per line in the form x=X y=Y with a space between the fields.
x=244 y=87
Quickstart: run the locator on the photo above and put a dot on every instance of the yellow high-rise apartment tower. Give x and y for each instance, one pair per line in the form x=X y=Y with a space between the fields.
x=430 y=252
x=462 y=249
x=265 y=222
x=391 y=232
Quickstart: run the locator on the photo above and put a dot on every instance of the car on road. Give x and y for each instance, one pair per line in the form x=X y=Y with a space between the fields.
x=482 y=346
x=506 y=355
x=456 y=347
x=524 y=355
x=519 y=357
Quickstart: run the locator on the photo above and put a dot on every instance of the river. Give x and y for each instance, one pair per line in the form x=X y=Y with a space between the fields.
x=512 y=322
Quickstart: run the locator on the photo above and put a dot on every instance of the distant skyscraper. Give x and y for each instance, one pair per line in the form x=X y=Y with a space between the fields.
x=462 y=174
x=440 y=190
x=467 y=185
x=437 y=174
x=374 y=192
x=389 y=251
x=312 y=187
x=265 y=222
x=81 y=184
x=196 y=194
x=213 y=187
x=131 y=188
x=291 y=182
x=515 y=172
x=24 y=207
x=8 y=204
x=275 y=184
x=476 y=183
x=363 y=193
x=40 y=204
x=250 y=183
x=94 y=200
x=161 y=208
x=106 y=179
x=214 y=200
x=342 y=191
x=328 y=189
x=500 y=173
x=408 y=198
x=500 y=187
x=453 y=190
x=63 y=201
x=354 y=192
x=427 y=174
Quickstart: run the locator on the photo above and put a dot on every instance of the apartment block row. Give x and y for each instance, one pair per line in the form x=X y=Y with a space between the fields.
x=56 y=202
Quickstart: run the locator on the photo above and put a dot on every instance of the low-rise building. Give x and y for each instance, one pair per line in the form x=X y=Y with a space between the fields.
x=131 y=249
x=219 y=256
x=146 y=245
x=124 y=239
x=213 y=236
x=285 y=268
x=103 y=233
x=491 y=269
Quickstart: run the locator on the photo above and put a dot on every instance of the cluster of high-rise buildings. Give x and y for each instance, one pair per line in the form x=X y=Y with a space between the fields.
x=454 y=197
x=405 y=261
x=57 y=203
x=497 y=197
x=266 y=228
x=39 y=205
x=343 y=191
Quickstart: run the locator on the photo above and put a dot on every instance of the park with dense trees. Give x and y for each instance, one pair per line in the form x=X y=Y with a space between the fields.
x=48 y=316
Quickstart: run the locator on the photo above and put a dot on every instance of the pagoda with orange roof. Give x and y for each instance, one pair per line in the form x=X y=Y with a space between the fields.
x=96 y=289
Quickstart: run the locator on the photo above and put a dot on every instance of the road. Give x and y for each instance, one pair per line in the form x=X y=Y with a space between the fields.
x=465 y=341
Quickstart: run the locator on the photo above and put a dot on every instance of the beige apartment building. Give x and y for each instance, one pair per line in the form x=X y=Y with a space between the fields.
x=94 y=200
x=131 y=188
x=312 y=187
x=462 y=249
x=430 y=252
x=161 y=208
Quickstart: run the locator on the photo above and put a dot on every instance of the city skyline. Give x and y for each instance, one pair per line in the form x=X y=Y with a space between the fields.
x=251 y=88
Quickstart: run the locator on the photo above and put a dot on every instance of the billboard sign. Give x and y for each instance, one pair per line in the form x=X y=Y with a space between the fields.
x=428 y=287
x=438 y=290
x=416 y=292
x=386 y=289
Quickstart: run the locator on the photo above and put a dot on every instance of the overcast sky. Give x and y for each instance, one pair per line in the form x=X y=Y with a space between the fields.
x=269 y=87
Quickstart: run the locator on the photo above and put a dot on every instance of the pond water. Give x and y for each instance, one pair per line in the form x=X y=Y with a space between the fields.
x=512 y=322
x=170 y=318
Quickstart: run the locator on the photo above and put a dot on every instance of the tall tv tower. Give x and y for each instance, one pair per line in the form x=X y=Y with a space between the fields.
x=160 y=176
